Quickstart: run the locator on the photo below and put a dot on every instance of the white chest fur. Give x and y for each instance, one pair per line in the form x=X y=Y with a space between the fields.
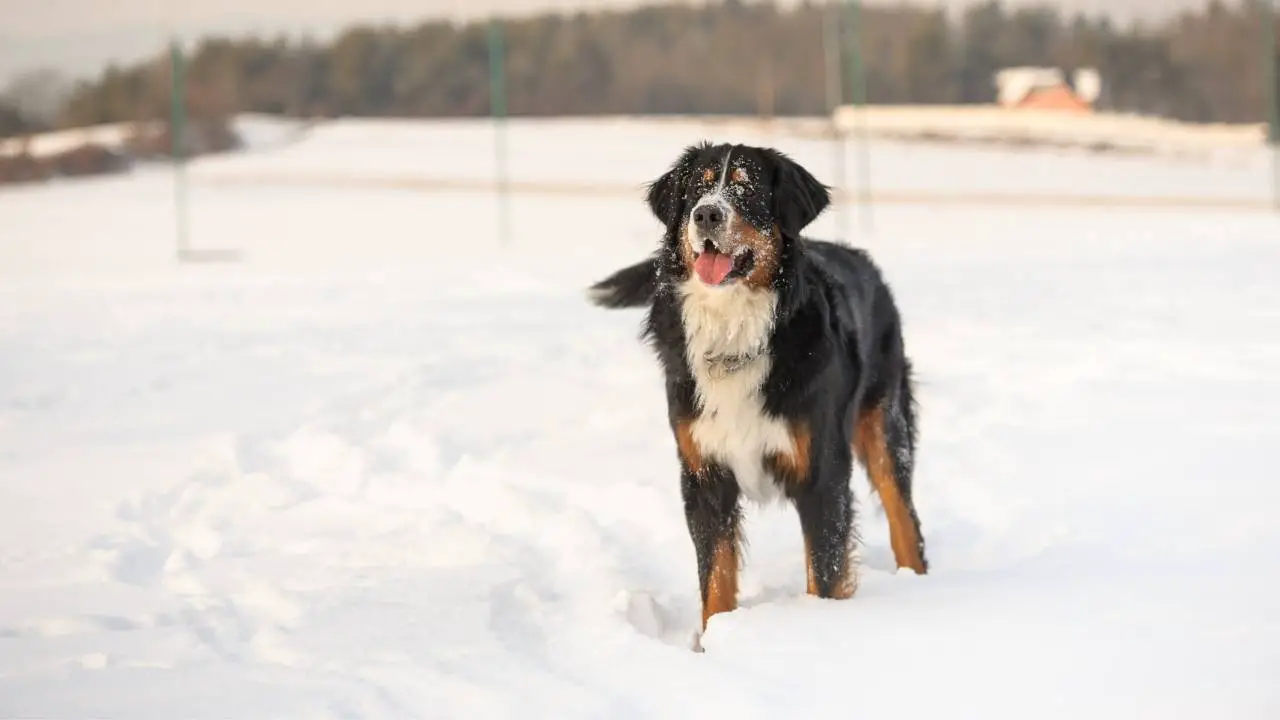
x=732 y=426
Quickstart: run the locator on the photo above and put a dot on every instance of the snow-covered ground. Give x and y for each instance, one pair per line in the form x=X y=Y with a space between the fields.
x=1130 y=132
x=387 y=468
x=257 y=131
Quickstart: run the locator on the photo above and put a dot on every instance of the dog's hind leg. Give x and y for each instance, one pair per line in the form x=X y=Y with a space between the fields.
x=884 y=440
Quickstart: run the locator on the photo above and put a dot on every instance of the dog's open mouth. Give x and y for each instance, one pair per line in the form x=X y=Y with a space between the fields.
x=716 y=268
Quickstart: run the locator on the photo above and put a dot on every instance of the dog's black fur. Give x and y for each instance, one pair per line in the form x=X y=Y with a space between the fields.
x=838 y=374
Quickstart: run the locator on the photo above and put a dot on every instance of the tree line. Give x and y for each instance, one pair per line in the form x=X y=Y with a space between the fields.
x=725 y=58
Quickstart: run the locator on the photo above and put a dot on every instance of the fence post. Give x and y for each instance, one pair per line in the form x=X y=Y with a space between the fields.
x=498 y=110
x=177 y=146
x=1272 y=78
x=835 y=97
x=862 y=142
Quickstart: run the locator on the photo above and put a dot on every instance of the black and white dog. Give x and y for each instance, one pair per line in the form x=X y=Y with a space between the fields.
x=783 y=359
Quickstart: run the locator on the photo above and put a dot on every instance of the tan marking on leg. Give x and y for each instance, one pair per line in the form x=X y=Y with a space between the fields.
x=722 y=583
x=846 y=579
x=872 y=449
x=688 y=447
x=794 y=466
x=811 y=578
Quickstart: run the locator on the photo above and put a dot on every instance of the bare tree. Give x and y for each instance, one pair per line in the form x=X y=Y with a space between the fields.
x=37 y=95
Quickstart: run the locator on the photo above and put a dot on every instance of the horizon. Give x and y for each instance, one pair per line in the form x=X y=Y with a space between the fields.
x=80 y=38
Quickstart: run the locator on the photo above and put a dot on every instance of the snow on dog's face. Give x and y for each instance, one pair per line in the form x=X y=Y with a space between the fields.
x=730 y=208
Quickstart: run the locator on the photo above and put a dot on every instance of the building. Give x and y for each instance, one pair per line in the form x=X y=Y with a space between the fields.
x=1048 y=89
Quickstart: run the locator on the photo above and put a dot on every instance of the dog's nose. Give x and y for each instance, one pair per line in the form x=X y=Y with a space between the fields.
x=707 y=218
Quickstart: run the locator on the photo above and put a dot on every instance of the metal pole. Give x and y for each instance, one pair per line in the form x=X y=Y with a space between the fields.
x=859 y=79
x=177 y=145
x=1273 y=96
x=498 y=109
x=835 y=87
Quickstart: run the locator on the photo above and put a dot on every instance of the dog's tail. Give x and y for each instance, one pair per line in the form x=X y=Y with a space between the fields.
x=632 y=286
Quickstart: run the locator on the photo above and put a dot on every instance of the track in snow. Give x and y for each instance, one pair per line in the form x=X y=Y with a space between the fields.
x=447 y=489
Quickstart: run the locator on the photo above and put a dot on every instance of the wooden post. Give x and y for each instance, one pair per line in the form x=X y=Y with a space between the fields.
x=857 y=72
x=498 y=110
x=1272 y=78
x=835 y=97
x=177 y=146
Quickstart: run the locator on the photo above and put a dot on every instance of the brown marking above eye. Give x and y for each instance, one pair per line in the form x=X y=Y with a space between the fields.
x=740 y=175
x=708 y=175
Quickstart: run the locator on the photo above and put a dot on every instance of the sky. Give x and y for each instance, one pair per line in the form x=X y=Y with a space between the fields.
x=79 y=37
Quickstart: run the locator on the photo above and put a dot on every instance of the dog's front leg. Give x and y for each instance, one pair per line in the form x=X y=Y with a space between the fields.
x=711 y=509
x=712 y=512
x=825 y=506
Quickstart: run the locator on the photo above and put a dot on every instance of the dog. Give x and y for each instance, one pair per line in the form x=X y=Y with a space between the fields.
x=783 y=359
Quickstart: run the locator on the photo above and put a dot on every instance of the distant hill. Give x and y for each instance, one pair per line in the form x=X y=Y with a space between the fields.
x=80 y=37
x=723 y=58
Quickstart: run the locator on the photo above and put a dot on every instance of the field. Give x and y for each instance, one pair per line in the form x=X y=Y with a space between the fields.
x=387 y=467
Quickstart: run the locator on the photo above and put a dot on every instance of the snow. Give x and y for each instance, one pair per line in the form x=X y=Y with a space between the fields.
x=388 y=468
x=255 y=131
x=1124 y=132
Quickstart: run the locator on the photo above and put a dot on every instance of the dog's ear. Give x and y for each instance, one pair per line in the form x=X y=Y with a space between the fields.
x=798 y=197
x=665 y=192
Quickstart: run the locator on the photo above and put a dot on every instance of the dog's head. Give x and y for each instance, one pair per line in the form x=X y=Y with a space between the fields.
x=731 y=210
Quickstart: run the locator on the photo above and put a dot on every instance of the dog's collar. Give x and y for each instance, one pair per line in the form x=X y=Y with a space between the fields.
x=721 y=365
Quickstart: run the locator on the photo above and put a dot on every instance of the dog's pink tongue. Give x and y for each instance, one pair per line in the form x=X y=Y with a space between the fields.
x=712 y=267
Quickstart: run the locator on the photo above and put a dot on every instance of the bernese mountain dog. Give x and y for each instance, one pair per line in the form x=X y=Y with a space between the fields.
x=784 y=360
